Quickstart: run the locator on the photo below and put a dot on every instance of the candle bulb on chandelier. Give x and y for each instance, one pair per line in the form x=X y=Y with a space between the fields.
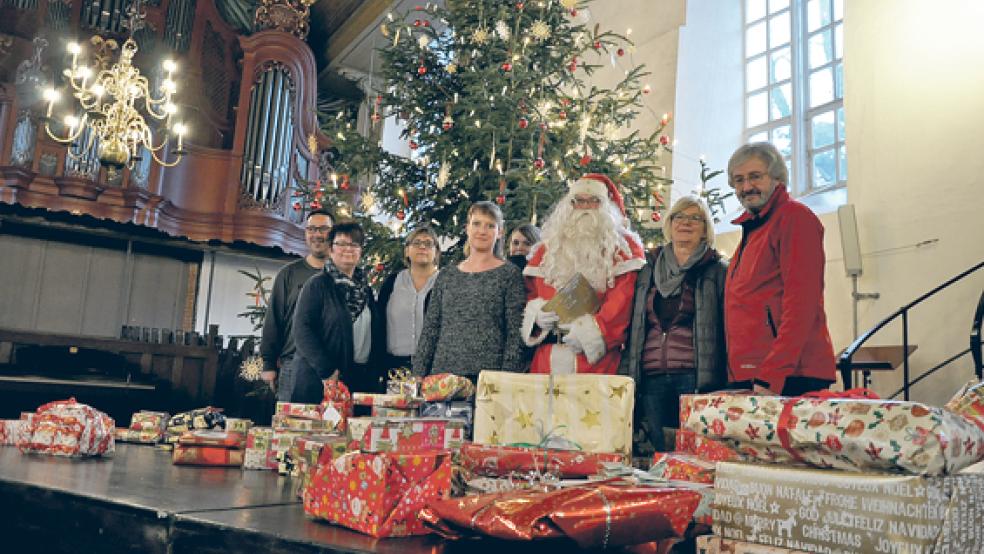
x=51 y=95
x=180 y=129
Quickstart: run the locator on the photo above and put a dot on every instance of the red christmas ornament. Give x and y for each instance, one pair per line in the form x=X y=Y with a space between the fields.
x=597 y=45
x=543 y=126
x=620 y=51
x=315 y=205
x=401 y=215
x=656 y=217
x=646 y=90
x=539 y=163
x=565 y=101
x=413 y=145
x=573 y=12
x=297 y=206
x=562 y=114
x=345 y=184
x=572 y=67
x=507 y=66
x=427 y=23
x=665 y=119
x=447 y=124
x=523 y=123
x=417 y=23
x=500 y=200
x=380 y=267
x=419 y=8
x=520 y=6
x=664 y=140
x=421 y=70
x=585 y=160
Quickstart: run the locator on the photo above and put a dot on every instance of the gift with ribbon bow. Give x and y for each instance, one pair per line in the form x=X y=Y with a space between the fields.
x=68 y=428
x=446 y=386
x=502 y=461
x=857 y=433
x=403 y=382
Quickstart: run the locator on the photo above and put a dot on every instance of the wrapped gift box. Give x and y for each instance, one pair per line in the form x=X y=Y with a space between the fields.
x=238 y=425
x=310 y=452
x=207 y=456
x=402 y=381
x=594 y=412
x=283 y=440
x=357 y=427
x=842 y=511
x=446 y=386
x=969 y=402
x=283 y=422
x=68 y=428
x=13 y=431
x=713 y=544
x=675 y=466
x=149 y=436
x=201 y=418
x=412 y=434
x=297 y=409
x=842 y=433
x=145 y=420
x=254 y=458
x=604 y=514
x=688 y=442
x=385 y=400
x=378 y=411
x=379 y=494
x=501 y=461
x=224 y=439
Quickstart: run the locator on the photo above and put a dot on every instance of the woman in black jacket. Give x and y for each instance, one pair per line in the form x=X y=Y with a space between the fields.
x=676 y=337
x=338 y=327
x=404 y=296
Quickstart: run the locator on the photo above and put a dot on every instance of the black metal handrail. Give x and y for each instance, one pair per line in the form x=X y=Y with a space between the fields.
x=845 y=364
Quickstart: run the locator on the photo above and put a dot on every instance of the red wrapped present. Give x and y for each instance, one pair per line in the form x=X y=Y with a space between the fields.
x=385 y=400
x=446 y=386
x=602 y=514
x=675 y=466
x=68 y=428
x=379 y=494
x=299 y=410
x=149 y=421
x=337 y=400
x=284 y=422
x=501 y=461
x=412 y=434
x=969 y=402
x=13 y=431
x=207 y=456
x=224 y=439
x=688 y=442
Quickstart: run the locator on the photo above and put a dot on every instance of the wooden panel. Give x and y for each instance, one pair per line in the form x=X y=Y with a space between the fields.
x=20 y=275
x=102 y=303
x=157 y=285
x=60 y=304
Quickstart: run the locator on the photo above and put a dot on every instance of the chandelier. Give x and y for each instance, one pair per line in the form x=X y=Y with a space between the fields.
x=109 y=97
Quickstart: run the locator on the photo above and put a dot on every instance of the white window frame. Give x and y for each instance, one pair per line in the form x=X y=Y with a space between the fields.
x=800 y=120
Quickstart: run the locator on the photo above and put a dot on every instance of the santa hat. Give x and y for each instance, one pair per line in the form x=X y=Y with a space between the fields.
x=601 y=186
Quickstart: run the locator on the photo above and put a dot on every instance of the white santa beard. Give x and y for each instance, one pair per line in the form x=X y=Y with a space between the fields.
x=581 y=241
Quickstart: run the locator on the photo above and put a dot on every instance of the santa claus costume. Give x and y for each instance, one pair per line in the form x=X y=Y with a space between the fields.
x=598 y=243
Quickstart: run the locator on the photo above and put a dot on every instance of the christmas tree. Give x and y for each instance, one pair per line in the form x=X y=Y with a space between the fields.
x=495 y=102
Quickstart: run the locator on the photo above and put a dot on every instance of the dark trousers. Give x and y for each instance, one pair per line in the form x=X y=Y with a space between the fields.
x=794 y=386
x=660 y=398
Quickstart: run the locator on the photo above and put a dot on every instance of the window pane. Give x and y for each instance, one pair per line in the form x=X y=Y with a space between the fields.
x=842 y=154
x=781 y=101
x=820 y=48
x=776 y=5
x=817 y=14
x=839 y=80
x=754 y=9
x=821 y=87
x=838 y=10
x=755 y=76
x=758 y=109
x=781 y=65
x=839 y=41
x=823 y=130
x=759 y=137
x=755 y=39
x=782 y=140
x=824 y=168
x=840 y=124
x=779 y=30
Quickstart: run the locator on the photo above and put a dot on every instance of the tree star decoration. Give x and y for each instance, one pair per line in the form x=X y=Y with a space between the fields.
x=502 y=29
x=452 y=68
x=480 y=36
x=540 y=30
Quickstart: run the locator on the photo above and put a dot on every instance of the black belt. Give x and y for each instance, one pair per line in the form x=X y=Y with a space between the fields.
x=552 y=338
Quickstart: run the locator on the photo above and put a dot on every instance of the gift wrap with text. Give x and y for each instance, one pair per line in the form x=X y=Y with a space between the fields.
x=592 y=411
x=845 y=512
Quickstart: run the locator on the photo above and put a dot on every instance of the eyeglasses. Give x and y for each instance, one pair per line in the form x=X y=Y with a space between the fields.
x=681 y=217
x=347 y=245
x=753 y=178
x=582 y=202
x=422 y=243
x=317 y=228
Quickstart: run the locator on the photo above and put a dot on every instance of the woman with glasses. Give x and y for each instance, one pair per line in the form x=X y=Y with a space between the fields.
x=676 y=338
x=404 y=295
x=476 y=307
x=338 y=329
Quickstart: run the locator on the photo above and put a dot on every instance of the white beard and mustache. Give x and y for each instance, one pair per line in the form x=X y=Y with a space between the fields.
x=583 y=241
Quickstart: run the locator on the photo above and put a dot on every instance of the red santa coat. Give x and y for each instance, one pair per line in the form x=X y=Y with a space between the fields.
x=602 y=335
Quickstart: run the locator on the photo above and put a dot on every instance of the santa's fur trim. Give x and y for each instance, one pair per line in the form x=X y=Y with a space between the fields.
x=533 y=307
x=586 y=330
x=563 y=361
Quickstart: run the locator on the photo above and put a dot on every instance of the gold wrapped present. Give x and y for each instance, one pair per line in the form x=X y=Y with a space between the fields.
x=574 y=299
x=586 y=412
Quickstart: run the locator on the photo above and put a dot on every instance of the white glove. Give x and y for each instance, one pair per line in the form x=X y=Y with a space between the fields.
x=571 y=341
x=546 y=320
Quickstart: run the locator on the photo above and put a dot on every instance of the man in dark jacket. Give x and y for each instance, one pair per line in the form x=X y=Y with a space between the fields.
x=277 y=343
x=338 y=327
x=776 y=327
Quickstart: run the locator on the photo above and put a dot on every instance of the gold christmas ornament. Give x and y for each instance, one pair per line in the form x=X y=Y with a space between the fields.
x=452 y=68
x=480 y=36
x=540 y=30
x=251 y=368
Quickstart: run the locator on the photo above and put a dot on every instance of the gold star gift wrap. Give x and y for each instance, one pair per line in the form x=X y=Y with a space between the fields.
x=592 y=411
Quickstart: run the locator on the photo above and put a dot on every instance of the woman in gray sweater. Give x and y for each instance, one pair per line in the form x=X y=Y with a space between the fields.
x=476 y=307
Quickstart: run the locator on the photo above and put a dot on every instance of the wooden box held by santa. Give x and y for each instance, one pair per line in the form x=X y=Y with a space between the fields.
x=585 y=412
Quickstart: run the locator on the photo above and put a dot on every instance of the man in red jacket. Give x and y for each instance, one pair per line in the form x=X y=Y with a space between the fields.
x=775 y=324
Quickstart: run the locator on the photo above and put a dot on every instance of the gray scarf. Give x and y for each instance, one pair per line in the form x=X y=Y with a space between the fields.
x=668 y=274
